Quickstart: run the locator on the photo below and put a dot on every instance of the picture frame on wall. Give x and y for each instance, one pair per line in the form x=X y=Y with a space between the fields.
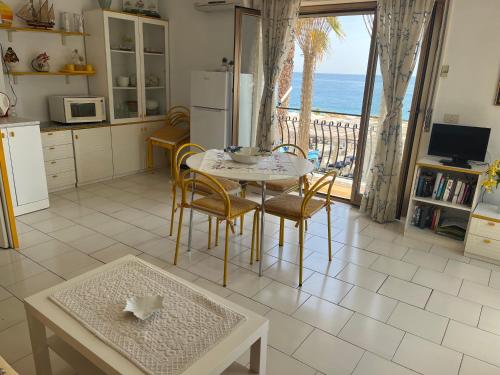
x=497 y=98
x=145 y=7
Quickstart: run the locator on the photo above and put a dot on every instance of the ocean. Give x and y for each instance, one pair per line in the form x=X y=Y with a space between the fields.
x=343 y=93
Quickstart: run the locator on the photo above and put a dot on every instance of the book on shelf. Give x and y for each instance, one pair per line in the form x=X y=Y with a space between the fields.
x=431 y=217
x=445 y=187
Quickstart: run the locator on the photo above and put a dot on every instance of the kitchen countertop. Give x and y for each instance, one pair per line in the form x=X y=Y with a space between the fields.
x=12 y=122
x=51 y=126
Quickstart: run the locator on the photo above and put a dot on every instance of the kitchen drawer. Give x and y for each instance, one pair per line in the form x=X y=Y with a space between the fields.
x=58 y=152
x=56 y=138
x=60 y=165
x=56 y=180
x=485 y=228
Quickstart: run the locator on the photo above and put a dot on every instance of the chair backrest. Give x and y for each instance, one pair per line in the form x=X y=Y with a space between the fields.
x=181 y=155
x=326 y=180
x=212 y=184
x=177 y=115
x=296 y=149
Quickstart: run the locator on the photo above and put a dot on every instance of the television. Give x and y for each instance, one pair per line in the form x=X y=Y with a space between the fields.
x=460 y=143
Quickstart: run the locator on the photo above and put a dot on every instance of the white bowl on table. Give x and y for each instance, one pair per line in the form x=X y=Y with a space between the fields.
x=247 y=155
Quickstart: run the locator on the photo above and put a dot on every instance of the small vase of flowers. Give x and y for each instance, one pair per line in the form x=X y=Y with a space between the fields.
x=493 y=178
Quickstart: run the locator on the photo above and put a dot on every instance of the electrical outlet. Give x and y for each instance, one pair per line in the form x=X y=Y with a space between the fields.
x=451 y=118
x=444 y=71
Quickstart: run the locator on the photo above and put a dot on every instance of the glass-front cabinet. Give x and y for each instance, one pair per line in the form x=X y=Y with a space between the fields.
x=131 y=58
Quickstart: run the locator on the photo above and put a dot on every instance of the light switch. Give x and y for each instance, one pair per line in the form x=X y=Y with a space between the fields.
x=451 y=118
x=444 y=71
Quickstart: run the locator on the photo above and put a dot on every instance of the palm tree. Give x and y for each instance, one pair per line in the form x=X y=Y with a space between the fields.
x=312 y=37
x=285 y=82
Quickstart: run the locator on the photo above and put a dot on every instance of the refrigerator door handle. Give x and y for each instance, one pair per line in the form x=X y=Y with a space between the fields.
x=209 y=109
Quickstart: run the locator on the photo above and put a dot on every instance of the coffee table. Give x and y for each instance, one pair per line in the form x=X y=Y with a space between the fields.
x=89 y=355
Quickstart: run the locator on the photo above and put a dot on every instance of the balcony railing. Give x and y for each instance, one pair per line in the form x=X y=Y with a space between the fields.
x=333 y=138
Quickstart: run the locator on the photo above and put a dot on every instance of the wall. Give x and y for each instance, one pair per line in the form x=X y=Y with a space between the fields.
x=472 y=51
x=198 y=41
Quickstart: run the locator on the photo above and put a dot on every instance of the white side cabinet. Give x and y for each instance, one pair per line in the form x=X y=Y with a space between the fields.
x=93 y=155
x=128 y=148
x=59 y=159
x=25 y=168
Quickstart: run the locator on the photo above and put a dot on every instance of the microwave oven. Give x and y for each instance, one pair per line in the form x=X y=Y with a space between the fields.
x=77 y=109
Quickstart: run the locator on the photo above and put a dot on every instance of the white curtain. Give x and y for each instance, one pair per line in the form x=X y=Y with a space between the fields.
x=400 y=28
x=278 y=21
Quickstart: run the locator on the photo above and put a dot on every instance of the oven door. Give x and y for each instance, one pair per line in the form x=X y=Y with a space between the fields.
x=84 y=110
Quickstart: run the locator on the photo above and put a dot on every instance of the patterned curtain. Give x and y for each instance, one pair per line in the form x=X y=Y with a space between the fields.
x=278 y=20
x=400 y=29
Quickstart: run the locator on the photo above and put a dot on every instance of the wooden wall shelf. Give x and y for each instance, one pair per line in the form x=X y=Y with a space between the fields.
x=62 y=33
x=66 y=74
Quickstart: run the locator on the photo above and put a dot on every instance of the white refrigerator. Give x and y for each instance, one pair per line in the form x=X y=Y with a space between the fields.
x=211 y=115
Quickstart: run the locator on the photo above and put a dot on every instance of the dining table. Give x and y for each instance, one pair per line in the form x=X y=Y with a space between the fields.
x=273 y=167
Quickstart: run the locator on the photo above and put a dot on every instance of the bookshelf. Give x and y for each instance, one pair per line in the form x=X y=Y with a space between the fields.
x=439 y=196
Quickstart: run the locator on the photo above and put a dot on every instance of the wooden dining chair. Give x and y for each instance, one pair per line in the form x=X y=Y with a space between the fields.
x=299 y=209
x=181 y=155
x=219 y=203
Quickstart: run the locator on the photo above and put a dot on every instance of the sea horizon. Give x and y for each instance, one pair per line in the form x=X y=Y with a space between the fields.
x=343 y=93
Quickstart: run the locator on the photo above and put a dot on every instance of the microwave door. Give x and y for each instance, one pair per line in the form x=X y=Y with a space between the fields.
x=83 y=111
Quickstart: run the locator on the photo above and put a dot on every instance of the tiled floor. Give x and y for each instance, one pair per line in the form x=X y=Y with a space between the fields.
x=385 y=305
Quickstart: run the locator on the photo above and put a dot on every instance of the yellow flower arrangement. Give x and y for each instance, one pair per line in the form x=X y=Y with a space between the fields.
x=493 y=174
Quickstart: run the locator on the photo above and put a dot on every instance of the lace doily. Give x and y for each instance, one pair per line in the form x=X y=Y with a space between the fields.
x=169 y=341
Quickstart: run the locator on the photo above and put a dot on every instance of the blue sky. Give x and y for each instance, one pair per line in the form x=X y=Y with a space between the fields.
x=348 y=55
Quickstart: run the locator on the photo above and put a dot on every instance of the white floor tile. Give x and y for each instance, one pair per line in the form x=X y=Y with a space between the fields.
x=114 y=252
x=15 y=342
x=52 y=224
x=213 y=287
x=453 y=307
x=34 y=284
x=319 y=263
x=426 y=357
x=437 y=280
x=473 y=366
x=46 y=250
x=328 y=354
x=287 y=273
x=323 y=314
x=372 y=335
x=388 y=249
x=134 y=237
x=248 y=303
x=357 y=256
x=369 y=303
x=457 y=254
x=248 y=283
x=362 y=277
x=281 y=364
x=422 y=323
x=92 y=243
x=473 y=341
x=65 y=265
x=467 y=271
x=32 y=238
x=426 y=260
x=413 y=243
x=11 y=312
x=286 y=333
x=281 y=297
x=394 y=267
x=72 y=233
x=17 y=271
x=480 y=294
x=490 y=320
x=372 y=364
x=405 y=291
x=320 y=245
x=353 y=238
x=326 y=287
x=114 y=227
x=495 y=280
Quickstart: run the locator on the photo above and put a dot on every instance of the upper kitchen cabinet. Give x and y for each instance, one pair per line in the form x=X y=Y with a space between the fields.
x=130 y=53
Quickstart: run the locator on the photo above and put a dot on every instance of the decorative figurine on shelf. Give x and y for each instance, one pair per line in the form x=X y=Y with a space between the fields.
x=6 y=14
x=11 y=60
x=39 y=17
x=226 y=66
x=147 y=7
x=41 y=63
x=127 y=43
x=78 y=61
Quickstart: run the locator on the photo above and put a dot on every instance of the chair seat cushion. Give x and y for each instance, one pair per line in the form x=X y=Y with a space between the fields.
x=215 y=205
x=228 y=185
x=280 y=186
x=289 y=206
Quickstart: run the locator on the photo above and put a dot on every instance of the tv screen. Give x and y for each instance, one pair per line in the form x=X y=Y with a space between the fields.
x=459 y=142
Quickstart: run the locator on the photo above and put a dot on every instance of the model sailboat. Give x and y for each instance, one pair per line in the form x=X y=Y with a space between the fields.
x=40 y=17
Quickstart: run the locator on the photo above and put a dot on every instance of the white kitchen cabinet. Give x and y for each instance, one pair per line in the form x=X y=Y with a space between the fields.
x=93 y=154
x=25 y=168
x=130 y=147
x=59 y=159
x=131 y=53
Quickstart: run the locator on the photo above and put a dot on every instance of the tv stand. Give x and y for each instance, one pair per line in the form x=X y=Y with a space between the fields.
x=456 y=163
